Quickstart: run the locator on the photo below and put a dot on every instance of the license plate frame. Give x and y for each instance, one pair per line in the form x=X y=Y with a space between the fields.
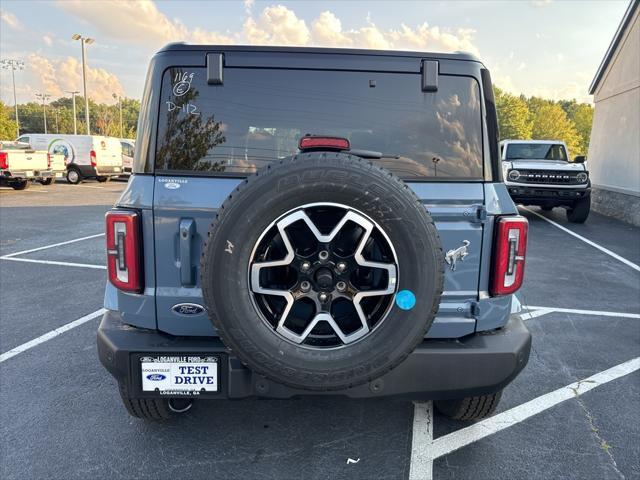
x=168 y=365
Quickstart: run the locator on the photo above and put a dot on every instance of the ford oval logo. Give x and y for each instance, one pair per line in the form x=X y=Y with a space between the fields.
x=188 y=309
x=156 y=377
x=172 y=185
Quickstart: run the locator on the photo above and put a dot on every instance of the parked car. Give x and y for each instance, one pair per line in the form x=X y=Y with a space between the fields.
x=19 y=165
x=285 y=232
x=86 y=156
x=538 y=172
x=128 y=149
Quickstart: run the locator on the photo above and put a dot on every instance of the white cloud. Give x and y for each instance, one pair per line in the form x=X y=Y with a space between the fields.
x=10 y=19
x=560 y=57
x=142 y=22
x=55 y=77
x=138 y=22
x=277 y=25
x=47 y=40
x=521 y=66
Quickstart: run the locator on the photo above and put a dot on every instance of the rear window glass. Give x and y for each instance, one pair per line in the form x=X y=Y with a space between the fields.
x=259 y=115
x=537 y=151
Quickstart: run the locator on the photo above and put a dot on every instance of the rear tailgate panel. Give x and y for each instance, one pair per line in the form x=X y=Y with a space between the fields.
x=192 y=202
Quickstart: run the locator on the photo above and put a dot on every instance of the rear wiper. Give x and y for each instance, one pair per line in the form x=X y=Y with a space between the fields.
x=372 y=154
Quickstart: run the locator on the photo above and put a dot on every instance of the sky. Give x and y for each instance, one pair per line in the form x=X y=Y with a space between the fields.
x=548 y=48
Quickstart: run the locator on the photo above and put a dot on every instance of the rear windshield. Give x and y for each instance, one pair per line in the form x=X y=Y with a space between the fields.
x=259 y=115
x=538 y=151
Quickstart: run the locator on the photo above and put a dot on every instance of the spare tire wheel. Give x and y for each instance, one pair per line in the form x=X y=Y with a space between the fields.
x=322 y=271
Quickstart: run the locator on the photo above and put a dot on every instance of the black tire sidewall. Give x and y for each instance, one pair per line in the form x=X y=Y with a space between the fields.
x=76 y=170
x=305 y=180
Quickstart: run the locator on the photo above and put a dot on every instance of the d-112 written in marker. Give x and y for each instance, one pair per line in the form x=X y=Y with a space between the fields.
x=188 y=108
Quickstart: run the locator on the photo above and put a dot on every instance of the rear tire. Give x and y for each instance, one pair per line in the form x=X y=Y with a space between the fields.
x=152 y=408
x=469 y=408
x=103 y=179
x=46 y=181
x=580 y=211
x=74 y=177
x=21 y=185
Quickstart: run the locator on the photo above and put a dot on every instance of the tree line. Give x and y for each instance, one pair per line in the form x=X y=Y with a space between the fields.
x=104 y=119
x=519 y=117
x=535 y=118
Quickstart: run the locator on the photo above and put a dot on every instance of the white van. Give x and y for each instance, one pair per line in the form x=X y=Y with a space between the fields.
x=86 y=156
x=128 y=148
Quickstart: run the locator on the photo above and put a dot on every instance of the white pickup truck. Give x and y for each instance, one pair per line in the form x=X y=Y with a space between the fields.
x=539 y=172
x=19 y=165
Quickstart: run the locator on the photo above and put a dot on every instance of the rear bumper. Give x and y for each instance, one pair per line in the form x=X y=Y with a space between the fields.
x=25 y=174
x=437 y=369
x=547 y=195
x=107 y=171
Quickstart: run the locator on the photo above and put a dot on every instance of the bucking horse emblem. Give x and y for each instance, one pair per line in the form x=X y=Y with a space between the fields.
x=453 y=256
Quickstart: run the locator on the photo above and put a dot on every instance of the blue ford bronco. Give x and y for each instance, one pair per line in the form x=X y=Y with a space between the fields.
x=306 y=221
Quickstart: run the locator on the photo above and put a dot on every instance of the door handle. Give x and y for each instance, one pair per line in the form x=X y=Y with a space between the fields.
x=186 y=234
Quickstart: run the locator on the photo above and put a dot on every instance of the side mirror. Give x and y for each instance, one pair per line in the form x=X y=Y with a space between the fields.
x=580 y=159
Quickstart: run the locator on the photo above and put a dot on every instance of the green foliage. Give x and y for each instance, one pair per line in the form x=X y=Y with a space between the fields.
x=514 y=118
x=541 y=119
x=105 y=119
x=7 y=124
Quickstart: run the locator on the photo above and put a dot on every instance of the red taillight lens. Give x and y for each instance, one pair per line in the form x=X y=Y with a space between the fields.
x=509 y=252
x=124 y=250
x=48 y=160
x=92 y=157
x=310 y=142
x=4 y=160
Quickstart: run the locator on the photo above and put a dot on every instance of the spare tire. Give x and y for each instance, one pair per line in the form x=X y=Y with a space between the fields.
x=322 y=271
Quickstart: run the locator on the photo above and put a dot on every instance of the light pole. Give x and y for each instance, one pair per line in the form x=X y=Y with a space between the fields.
x=44 y=97
x=84 y=41
x=13 y=65
x=73 y=101
x=120 y=107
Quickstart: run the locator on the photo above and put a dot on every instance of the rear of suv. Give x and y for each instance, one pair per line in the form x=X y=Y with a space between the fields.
x=314 y=222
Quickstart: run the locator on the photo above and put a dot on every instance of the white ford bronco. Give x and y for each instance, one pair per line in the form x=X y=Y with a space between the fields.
x=539 y=172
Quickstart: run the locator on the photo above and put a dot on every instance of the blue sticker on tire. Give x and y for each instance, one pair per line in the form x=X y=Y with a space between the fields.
x=405 y=299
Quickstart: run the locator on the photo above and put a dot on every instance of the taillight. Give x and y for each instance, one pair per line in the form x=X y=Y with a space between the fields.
x=333 y=143
x=509 y=252
x=92 y=157
x=48 y=160
x=124 y=250
x=4 y=160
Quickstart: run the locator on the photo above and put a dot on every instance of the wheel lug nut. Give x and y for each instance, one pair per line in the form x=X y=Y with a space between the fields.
x=305 y=266
x=341 y=266
x=305 y=286
x=341 y=286
x=323 y=255
x=323 y=297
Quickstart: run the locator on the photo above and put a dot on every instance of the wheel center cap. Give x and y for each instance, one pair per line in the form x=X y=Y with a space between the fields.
x=324 y=278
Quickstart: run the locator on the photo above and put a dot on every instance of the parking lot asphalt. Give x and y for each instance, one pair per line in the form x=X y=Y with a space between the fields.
x=61 y=416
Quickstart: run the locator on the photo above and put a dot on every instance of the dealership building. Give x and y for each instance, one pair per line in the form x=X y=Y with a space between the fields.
x=614 y=148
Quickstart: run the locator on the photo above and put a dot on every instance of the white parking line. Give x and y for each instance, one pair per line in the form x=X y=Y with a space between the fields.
x=463 y=437
x=535 y=312
x=421 y=466
x=23 y=252
x=53 y=262
x=539 y=311
x=586 y=240
x=49 y=335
